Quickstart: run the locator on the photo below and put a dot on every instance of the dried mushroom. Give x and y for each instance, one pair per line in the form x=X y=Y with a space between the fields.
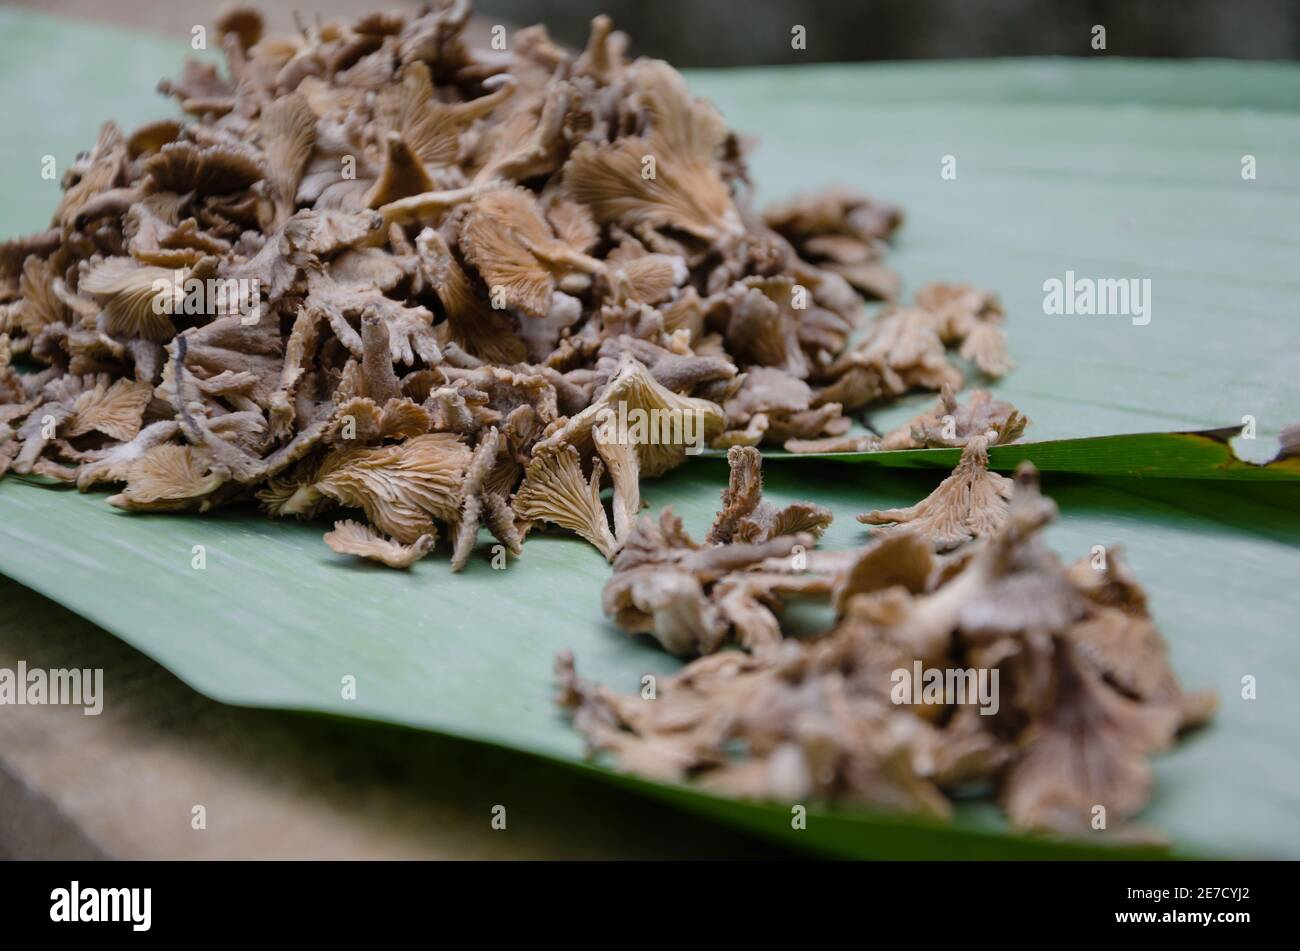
x=355 y=538
x=970 y=503
x=666 y=585
x=906 y=348
x=404 y=488
x=375 y=269
x=746 y=517
x=972 y=318
x=691 y=597
x=845 y=233
x=555 y=490
x=1001 y=670
x=950 y=424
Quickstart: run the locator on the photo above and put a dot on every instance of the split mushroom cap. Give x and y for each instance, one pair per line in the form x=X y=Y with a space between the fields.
x=167 y=478
x=506 y=237
x=667 y=177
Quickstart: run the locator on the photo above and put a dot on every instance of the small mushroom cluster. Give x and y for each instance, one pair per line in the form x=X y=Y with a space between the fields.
x=382 y=274
x=692 y=597
x=994 y=668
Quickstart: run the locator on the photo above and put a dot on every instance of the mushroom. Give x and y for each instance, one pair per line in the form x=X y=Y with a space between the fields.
x=513 y=248
x=115 y=409
x=904 y=349
x=970 y=503
x=428 y=240
x=167 y=478
x=182 y=167
x=972 y=318
x=479 y=504
x=1090 y=749
x=1076 y=693
x=746 y=517
x=139 y=300
x=288 y=136
x=690 y=596
x=843 y=232
x=554 y=490
x=950 y=424
x=403 y=488
x=635 y=412
x=354 y=538
x=403 y=175
x=114 y=463
x=834 y=444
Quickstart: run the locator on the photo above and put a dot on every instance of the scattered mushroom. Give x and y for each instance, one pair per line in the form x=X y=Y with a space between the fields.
x=998 y=668
x=691 y=596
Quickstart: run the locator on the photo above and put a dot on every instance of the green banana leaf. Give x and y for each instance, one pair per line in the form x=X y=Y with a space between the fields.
x=277 y=619
x=1109 y=168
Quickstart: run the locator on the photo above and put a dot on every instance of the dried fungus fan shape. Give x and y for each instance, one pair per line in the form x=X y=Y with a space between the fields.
x=950 y=424
x=970 y=503
x=369 y=246
x=1082 y=692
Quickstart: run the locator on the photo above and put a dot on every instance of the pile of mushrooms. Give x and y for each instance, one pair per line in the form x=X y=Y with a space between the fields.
x=1074 y=695
x=381 y=275
x=422 y=288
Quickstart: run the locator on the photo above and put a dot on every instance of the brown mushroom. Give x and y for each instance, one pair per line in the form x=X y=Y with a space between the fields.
x=354 y=538
x=403 y=488
x=970 y=503
x=949 y=424
x=554 y=490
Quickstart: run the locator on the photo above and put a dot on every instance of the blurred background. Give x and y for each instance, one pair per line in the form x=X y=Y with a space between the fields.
x=753 y=32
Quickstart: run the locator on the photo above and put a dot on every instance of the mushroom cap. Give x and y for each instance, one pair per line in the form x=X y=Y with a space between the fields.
x=167 y=477
x=635 y=408
x=403 y=488
x=554 y=490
